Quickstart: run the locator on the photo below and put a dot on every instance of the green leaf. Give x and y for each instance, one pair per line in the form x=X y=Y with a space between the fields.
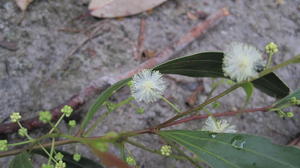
x=248 y=88
x=286 y=99
x=22 y=160
x=209 y=64
x=101 y=99
x=68 y=158
x=235 y=150
x=272 y=86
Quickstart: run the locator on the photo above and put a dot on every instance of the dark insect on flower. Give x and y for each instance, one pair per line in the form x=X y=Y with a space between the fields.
x=259 y=67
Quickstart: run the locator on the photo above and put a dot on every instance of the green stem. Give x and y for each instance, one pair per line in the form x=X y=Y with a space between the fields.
x=296 y=59
x=34 y=140
x=104 y=115
x=57 y=123
x=153 y=151
x=45 y=150
x=269 y=60
x=53 y=126
x=21 y=143
x=124 y=102
x=201 y=106
x=51 y=151
x=17 y=151
x=171 y=104
x=97 y=122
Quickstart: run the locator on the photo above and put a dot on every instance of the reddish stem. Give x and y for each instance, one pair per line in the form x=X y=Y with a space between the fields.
x=228 y=113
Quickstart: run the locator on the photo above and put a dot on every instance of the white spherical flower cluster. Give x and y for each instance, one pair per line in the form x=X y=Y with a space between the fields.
x=242 y=62
x=218 y=126
x=147 y=86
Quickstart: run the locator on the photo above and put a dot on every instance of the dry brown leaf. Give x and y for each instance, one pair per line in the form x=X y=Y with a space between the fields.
x=120 y=8
x=23 y=4
x=191 y=16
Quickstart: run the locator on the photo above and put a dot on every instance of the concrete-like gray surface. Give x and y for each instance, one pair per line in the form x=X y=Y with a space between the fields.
x=33 y=78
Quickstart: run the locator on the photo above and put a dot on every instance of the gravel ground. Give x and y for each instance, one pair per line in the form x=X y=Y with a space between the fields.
x=40 y=75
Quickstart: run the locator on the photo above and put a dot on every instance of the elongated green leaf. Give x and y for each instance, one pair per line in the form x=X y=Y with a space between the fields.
x=68 y=158
x=209 y=64
x=272 y=86
x=101 y=99
x=287 y=98
x=248 y=88
x=22 y=160
x=235 y=150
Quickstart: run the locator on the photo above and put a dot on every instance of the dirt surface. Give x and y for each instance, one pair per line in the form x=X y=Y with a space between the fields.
x=42 y=73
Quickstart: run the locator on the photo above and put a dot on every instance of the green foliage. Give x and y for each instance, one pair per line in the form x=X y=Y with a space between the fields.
x=22 y=160
x=67 y=110
x=248 y=88
x=71 y=163
x=272 y=86
x=235 y=150
x=3 y=145
x=209 y=64
x=101 y=99
x=287 y=99
x=45 y=116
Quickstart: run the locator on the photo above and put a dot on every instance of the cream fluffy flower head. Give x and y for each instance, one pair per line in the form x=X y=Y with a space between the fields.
x=242 y=62
x=218 y=126
x=147 y=86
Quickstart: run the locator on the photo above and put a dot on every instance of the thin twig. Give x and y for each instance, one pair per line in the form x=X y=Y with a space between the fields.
x=152 y=150
x=228 y=113
x=102 y=83
x=16 y=151
x=12 y=46
x=140 y=42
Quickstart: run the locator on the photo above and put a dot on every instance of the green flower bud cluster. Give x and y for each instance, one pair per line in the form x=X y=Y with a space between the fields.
x=294 y=101
x=15 y=117
x=67 y=110
x=59 y=156
x=77 y=157
x=283 y=114
x=3 y=145
x=60 y=164
x=45 y=116
x=166 y=150
x=271 y=48
x=22 y=132
x=140 y=111
x=72 y=123
x=130 y=161
x=110 y=106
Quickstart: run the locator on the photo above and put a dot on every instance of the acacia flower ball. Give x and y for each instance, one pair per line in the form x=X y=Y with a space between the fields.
x=242 y=62
x=218 y=126
x=147 y=86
